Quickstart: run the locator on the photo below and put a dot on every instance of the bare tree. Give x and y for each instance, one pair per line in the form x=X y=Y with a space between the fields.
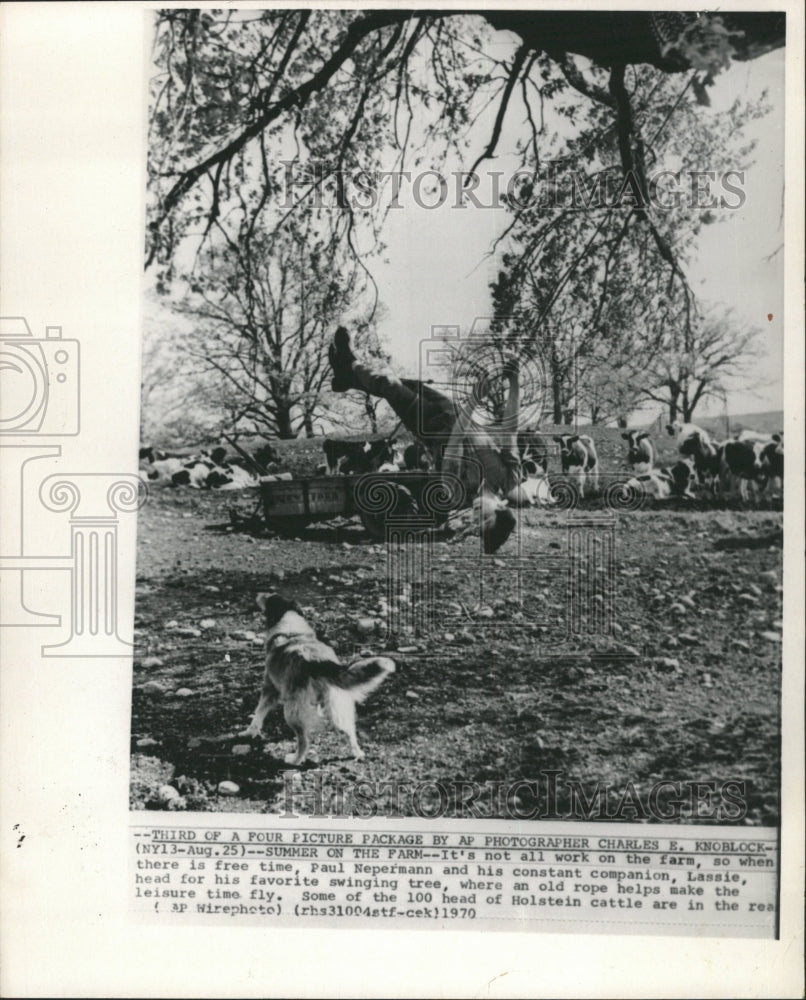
x=265 y=309
x=691 y=366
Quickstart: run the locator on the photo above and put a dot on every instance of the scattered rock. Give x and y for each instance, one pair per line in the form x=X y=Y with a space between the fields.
x=228 y=788
x=449 y=637
x=207 y=623
x=151 y=661
x=679 y=609
x=688 y=639
x=365 y=626
x=241 y=749
x=668 y=663
x=771 y=636
x=167 y=792
x=185 y=630
x=413 y=695
x=407 y=649
x=741 y=644
x=146 y=741
x=153 y=688
x=184 y=693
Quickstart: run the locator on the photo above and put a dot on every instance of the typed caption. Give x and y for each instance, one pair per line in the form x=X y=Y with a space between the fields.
x=700 y=881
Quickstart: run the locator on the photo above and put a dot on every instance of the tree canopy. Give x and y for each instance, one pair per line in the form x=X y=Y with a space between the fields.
x=234 y=88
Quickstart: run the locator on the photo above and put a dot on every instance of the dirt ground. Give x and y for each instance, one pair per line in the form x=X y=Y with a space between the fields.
x=684 y=688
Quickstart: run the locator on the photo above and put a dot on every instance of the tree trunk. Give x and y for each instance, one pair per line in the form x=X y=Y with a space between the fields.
x=621 y=421
x=307 y=423
x=371 y=411
x=282 y=414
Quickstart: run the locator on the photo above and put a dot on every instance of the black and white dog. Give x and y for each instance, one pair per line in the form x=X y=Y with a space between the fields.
x=310 y=681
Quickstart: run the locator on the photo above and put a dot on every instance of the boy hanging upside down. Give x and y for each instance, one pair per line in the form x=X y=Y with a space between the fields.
x=449 y=432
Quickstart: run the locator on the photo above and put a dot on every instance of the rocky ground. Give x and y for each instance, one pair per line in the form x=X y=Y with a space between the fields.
x=685 y=686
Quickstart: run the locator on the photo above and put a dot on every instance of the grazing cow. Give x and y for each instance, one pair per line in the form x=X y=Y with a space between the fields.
x=695 y=443
x=345 y=457
x=532 y=448
x=772 y=461
x=640 y=450
x=578 y=456
x=741 y=465
x=417 y=458
x=534 y=490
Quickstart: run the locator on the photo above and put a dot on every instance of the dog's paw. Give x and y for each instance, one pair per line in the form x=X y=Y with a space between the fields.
x=251 y=732
x=360 y=755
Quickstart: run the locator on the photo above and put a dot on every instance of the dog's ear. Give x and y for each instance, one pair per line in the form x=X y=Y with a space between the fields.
x=573 y=439
x=262 y=600
x=274 y=606
x=642 y=436
x=626 y=436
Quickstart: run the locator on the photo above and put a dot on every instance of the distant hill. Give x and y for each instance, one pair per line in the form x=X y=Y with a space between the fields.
x=766 y=423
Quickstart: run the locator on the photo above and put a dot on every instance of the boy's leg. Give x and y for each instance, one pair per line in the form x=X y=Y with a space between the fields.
x=425 y=412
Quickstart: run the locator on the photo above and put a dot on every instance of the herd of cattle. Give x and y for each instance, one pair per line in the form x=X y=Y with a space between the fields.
x=749 y=461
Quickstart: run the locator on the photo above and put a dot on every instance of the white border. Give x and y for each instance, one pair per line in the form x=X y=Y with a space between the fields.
x=71 y=87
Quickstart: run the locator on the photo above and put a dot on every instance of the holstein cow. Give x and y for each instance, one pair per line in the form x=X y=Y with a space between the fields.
x=772 y=460
x=640 y=450
x=695 y=443
x=674 y=481
x=532 y=448
x=534 y=490
x=748 y=461
x=346 y=457
x=578 y=456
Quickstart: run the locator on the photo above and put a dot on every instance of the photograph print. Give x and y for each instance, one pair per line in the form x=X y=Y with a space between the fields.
x=462 y=415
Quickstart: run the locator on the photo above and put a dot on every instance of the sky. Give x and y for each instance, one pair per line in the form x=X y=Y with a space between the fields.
x=437 y=269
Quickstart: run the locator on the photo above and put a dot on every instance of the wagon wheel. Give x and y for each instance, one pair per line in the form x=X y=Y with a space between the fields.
x=375 y=521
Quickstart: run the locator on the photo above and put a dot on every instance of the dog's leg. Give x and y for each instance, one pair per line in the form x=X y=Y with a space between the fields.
x=302 y=745
x=341 y=710
x=347 y=726
x=268 y=698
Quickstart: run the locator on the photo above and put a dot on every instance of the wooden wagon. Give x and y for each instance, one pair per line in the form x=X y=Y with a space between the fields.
x=415 y=500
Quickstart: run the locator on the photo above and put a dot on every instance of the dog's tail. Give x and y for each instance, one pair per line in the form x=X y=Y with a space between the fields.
x=362 y=677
